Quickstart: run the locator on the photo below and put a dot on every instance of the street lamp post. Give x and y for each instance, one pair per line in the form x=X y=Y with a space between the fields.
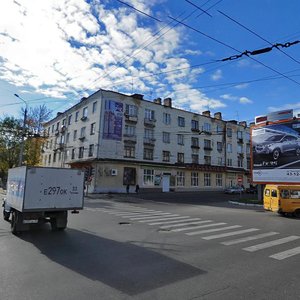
x=23 y=132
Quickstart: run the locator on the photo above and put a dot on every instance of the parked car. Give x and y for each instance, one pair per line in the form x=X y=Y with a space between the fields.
x=278 y=145
x=234 y=190
x=251 y=190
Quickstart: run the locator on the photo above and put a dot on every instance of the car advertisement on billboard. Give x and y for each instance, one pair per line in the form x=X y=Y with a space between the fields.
x=276 y=152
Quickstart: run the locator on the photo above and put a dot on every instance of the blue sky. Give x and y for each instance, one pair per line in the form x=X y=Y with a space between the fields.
x=55 y=52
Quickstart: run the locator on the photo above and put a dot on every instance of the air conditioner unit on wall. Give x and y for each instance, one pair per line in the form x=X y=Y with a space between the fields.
x=114 y=172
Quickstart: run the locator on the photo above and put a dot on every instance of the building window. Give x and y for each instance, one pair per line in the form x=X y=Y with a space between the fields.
x=49 y=159
x=76 y=116
x=129 y=130
x=248 y=164
x=82 y=132
x=248 y=149
x=195 y=142
x=180 y=157
x=207 y=160
x=148 y=177
x=166 y=118
x=229 y=162
x=180 y=139
x=149 y=133
x=195 y=125
x=180 y=178
x=219 y=180
x=229 y=132
x=207 y=144
x=93 y=128
x=74 y=135
x=240 y=162
x=73 y=154
x=181 y=122
x=62 y=139
x=220 y=161
x=207 y=179
x=70 y=120
x=51 y=144
x=148 y=153
x=54 y=157
x=219 y=146
x=149 y=114
x=195 y=158
x=81 y=152
x=207 y=127
x=219 y=129
x=57 y=126
x=239 y=134
x=91 y=150
x=166 y=156
x=64 y=122
x=48 y=131
x=240 y=149
x=131 y=110
x=52 y=130
x=229 y=148
x=94 y=107
x=194 y=179
x=129 y=151
x=166 y=137
x=85 y=112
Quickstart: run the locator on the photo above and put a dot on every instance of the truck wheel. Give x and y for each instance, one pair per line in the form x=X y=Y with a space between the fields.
x=297 y=213
x=14 y=222
x=54 y=227
x=6 y=215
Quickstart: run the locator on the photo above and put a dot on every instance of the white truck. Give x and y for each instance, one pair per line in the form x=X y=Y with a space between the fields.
x=39 y=195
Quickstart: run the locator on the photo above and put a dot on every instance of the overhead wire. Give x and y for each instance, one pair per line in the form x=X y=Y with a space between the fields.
x=232 y=48
x=259 y=36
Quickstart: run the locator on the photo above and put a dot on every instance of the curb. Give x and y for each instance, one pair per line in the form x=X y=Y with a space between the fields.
x=245 y=204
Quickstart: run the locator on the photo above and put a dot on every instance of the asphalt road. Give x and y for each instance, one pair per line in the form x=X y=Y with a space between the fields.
x=131 y=247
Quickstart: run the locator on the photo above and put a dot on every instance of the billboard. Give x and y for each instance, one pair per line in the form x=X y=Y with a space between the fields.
x=276 y=152
x=113 y=119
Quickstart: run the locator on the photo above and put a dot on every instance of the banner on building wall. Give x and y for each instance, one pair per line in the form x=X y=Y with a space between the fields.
x=276 y=152
x=113 y=118
x=129 y=176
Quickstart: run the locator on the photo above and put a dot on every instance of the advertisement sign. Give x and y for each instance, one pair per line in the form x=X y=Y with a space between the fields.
x=276 y=152
x=113 y=118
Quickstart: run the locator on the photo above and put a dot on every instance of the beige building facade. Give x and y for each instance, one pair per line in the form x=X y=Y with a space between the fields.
x=125 y=140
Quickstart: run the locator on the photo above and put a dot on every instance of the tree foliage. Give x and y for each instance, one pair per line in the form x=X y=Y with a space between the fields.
x=11 y=131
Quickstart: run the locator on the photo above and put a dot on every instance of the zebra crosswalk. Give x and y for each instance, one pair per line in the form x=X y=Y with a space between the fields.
x=206 y=229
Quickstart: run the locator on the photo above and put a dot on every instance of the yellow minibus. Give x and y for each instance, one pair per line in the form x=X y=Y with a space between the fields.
x=284 y=199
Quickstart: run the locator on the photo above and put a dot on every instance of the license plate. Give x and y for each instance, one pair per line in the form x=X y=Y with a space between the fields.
x=30 y=221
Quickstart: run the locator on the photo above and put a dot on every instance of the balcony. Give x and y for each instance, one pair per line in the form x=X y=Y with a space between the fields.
x=56 y=132
x=195 y=146
x=149 y=141
x=84 y=118
x=131 y=118
x=129 y=138
x=63 y=129
x=240 y=141
x=195 y=130
x=149 y=122
x=241 y=155
x=208 y=148
x=82 y=138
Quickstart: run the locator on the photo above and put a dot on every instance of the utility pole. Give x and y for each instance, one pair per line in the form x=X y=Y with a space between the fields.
x=23 y=131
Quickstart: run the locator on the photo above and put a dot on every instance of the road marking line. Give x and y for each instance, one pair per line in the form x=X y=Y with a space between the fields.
x=197 y=227
x=167 y=218
x=188 y=219
x=133 y=212
x=217 y=236
x=249 y=238
x=212 y=230
x=286 y=254
x=153 y=217
x=141 y=215
x=271 y=243
x=184 y=224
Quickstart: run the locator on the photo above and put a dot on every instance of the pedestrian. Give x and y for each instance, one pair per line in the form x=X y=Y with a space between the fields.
x=137 y=188
x=127 y=188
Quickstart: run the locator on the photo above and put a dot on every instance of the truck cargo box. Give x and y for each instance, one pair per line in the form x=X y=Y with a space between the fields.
x=45 y=189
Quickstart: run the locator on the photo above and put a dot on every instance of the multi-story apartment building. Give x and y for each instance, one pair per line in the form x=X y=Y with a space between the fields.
x=121 y=140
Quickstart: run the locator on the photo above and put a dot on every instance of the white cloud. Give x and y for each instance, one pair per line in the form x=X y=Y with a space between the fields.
x=242 y=86
x=285 y=106
x=217 y=75
x=245 y=100
x=192 y=52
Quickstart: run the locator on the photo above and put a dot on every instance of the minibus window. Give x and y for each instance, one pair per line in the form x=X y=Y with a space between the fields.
x=285 y=194
x=267 y=192
x=274 y=193
x=295 y=194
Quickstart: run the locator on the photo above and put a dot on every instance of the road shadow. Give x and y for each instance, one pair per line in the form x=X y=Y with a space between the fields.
x=126 y=267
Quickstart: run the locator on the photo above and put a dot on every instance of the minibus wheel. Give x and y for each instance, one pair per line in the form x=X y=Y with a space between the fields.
x=297 y=213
